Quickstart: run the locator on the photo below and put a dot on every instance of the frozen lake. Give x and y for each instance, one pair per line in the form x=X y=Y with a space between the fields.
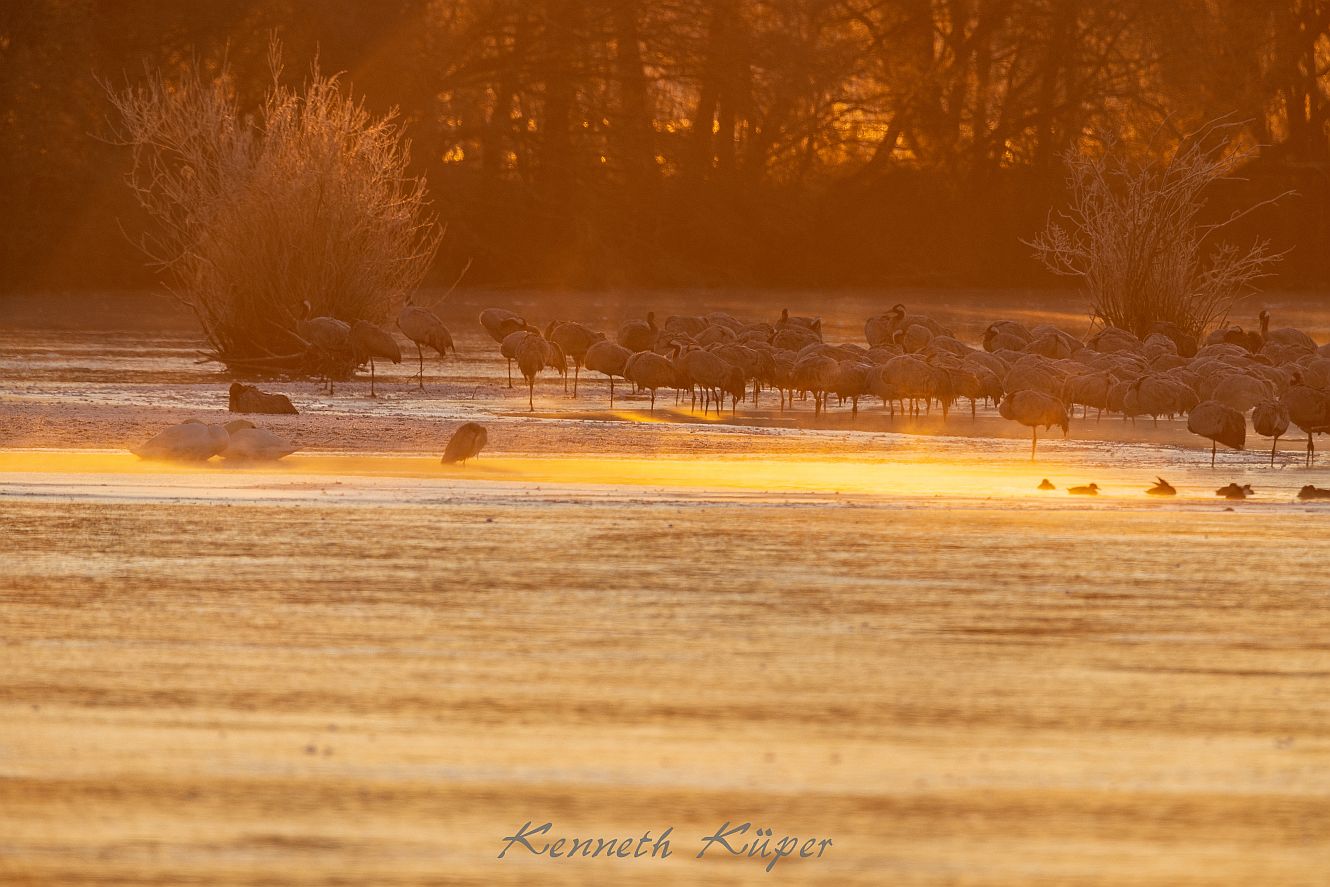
x=364 y=667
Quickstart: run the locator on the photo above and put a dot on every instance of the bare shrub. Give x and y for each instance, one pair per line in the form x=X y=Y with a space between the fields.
x=1132 y=234
x=309 y=198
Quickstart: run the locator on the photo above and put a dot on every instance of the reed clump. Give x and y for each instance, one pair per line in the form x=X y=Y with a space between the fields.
x=307 y=198
x=1133 y=233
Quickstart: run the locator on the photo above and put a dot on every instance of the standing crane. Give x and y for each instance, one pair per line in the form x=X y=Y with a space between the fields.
x=368 y=342
x=423 y=327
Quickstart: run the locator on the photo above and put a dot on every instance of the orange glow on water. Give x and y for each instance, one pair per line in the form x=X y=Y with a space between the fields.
x=760 y=473
x=911 y=475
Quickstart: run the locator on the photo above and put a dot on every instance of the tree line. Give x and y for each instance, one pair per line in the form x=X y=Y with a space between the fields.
x=699 y=142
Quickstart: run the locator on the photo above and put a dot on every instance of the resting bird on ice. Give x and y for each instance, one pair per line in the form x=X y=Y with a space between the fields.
x=1032 y=409
x=1088 y=490
x=1220 y=424
x=1161 y=488
x=1308 y=408
x=532 y=354
x=608 y=358
x=327 y=337
x=1233 y=491
x=1270 y=419
x=650 y=371
x=1313 y=492
x=368 y=342
x=190 y=441
x=639 y=335
x=248 y=399
x=466 y=443
x=249 y=443
x=501 y=323
x=575 y=339
x=808 y=323
x=1045 y=484
x=423 y=327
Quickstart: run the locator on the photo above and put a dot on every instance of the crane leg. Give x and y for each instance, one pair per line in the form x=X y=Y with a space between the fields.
x=1272 y=450
x=611 y=392
x=653 y=400
x=1034 y=441
x=510 y=372
x=421 y=354
x=577 y=372
x=531 y=394
x=1213 y=446
x=371 y=378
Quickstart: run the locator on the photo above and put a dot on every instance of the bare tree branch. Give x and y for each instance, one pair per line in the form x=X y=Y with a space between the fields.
x=1131 y=233
x=309 y=199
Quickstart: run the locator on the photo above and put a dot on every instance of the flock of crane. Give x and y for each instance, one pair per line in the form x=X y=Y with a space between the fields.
x=335 y=343
x=1035 y=375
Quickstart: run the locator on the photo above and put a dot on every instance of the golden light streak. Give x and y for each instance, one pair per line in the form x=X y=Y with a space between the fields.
x=909 y=477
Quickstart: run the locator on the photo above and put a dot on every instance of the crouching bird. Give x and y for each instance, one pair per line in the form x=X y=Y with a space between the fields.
x=466 y=443
x=246 y=442
x=248 y=399
x=190 y=441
